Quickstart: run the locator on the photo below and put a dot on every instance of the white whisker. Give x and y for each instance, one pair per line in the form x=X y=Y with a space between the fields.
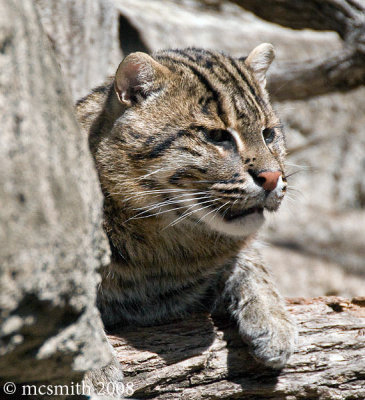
x=174 y=199
x=140 y=216
x=290 y=164
x=152 y=215
x=167 y=202
x=156 y=192
x=216 y=212
x=186 y=214
x=139 y=178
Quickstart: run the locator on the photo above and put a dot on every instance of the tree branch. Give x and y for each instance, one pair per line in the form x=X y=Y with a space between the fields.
x=199 y=358
x=341 y=16
x=340 y=71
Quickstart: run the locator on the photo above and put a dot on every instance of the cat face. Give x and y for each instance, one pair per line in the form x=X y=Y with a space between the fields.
x=198 y=142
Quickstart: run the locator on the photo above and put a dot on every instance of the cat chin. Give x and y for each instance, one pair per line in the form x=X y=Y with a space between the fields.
x=239 y=227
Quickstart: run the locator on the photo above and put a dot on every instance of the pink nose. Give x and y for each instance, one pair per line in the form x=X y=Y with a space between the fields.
x=269 y=179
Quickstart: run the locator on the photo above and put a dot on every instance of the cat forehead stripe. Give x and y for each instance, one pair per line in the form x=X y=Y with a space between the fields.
x=220 y=75
x=224 y=62
x=203 y=78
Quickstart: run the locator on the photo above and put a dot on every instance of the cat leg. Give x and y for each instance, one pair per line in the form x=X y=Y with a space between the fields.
x=106 y=382
x=259 y=310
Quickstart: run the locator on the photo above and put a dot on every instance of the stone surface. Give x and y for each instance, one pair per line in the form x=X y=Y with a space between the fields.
x=307 y=275
x=324 y=213
x=84 y=35
x=51 y=240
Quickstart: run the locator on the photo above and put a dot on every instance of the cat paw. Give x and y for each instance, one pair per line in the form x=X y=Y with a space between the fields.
x=106 y=381
x=272 y=341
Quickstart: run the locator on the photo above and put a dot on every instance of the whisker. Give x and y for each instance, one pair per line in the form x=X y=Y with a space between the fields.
x=291 y=198
x=192 y=212
x=216 y=212
x=290 y=164
x=189 y=194
x=224 y=206
x=139 y=178
x=140 y=216
x=185 y=214
x=292 y=173
x=156 y=192
x=295 y=194
x=154 y=172
x=174 y=199
x=153 y=191
x=225 y=212
x=293 y=189
x=152 y=215
x=168 y=202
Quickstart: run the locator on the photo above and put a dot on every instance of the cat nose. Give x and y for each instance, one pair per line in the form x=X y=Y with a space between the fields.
x=269 y=179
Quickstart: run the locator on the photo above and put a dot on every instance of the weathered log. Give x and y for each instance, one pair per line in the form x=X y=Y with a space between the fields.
x=338 y=72
x=84 y=37
x=204 y=358
x=341 y=16
x=51 y=240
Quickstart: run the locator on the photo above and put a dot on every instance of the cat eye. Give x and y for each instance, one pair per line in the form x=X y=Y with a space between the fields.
x=218 y=136
x=268 y=134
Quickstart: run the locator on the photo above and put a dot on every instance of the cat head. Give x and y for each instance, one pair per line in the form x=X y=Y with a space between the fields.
x=196 y=143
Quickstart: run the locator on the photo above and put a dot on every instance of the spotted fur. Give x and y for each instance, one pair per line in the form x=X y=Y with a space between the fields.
x=181 y=141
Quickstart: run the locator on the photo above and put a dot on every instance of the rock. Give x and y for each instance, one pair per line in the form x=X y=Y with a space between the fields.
x=51 y=240
x=84 y=35
x=324 y=214
x=309 y=275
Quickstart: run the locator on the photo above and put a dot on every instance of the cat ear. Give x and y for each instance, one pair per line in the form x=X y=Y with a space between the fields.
x=259 y=61
x=136 y=75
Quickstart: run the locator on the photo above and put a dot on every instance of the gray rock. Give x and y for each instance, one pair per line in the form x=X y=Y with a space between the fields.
x=304 y=275
x=84 y=35
x=51 y=240
x=324 y=213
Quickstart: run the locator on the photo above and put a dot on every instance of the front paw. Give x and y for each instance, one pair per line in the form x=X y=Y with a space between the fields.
x=106 y=381
x=271 y=337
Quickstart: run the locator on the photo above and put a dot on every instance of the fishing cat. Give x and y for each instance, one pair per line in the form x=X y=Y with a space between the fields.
x=190 y=156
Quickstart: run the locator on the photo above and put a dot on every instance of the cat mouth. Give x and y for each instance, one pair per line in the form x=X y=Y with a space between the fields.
x=232 y=215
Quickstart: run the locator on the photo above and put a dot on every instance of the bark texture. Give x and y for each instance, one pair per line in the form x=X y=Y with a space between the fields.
x=201 y=358
x=84 y=36
x=51 y=240
x=342 y=16
x=340 y=71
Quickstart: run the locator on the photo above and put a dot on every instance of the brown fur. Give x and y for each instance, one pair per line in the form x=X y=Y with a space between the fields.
x=165 y=131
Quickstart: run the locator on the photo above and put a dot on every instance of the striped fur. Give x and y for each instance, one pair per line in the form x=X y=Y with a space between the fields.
x=179 y=141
